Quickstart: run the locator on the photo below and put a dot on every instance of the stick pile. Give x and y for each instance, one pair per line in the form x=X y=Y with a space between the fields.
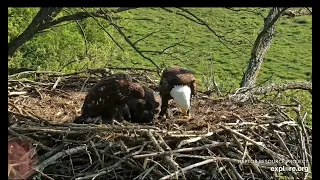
x=225 y=142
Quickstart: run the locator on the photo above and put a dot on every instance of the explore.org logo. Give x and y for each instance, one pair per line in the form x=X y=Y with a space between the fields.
x=288 y=168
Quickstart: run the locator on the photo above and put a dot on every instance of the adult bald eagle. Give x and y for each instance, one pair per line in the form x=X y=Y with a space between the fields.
x=108 y=94
x=179 y=84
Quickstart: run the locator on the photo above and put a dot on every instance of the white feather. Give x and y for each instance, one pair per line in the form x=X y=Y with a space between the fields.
x=181 y=95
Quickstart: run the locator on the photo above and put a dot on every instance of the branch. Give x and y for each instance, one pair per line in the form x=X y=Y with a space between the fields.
x=61 y=154
x=309 y=10
x=207 y=146
x=188 y=168
x=148 y=35
x=104 y=29
x=283 y=87
x=201 y=22
x=246 y=10
x=32 y=29
x=79 y=16
x=131 y=68
x=82 y=33
x=129 y=41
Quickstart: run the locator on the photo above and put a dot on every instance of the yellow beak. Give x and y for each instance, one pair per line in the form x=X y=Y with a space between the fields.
x=184 y=112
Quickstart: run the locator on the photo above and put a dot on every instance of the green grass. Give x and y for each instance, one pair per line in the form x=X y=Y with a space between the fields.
x=288 y=59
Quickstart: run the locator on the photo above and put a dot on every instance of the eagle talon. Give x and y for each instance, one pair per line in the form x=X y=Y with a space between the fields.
x=187 y=116
x=163 y=118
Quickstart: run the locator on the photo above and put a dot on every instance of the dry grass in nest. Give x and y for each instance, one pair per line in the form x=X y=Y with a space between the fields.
x=222 y=140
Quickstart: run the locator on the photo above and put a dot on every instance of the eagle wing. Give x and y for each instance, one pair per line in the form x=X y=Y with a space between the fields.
x=109 y=92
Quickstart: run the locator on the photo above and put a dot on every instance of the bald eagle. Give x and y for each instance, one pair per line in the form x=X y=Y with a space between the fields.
x=140 y=110
x=179 y=84
x=109 y=93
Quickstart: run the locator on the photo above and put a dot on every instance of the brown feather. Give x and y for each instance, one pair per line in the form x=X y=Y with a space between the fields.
x=172 y=76
x=109 y=93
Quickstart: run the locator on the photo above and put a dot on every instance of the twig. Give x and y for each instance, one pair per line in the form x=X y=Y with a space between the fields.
x=246 y=154
x=84 y=83
x=148 y=35
x=16 y=93
x=56 y=83
x=129 y=41
x=59 y=155
x=30 y=140
x=131 y=68
x=104 y=29
x=187 y=141
x=43 y=174
x=104 y=170
x=188 y=168
x=96 y=152
x=207 y=146
x=231 y=166
x=260 y=145
x=171 y=162
x=33 y=72
x=13 y=105
x=284 y=146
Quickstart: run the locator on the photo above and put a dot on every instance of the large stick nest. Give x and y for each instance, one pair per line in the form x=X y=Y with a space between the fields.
x=223 y=140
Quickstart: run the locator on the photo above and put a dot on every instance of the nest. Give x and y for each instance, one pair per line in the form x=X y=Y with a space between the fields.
x=222 y=140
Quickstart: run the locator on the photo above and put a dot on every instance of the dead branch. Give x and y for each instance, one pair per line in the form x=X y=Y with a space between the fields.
x=245 y=93
x=59 y=155
x=169 y=159
x=34 y=142
x=283 y=87
x=187 y=168
x=207 y=146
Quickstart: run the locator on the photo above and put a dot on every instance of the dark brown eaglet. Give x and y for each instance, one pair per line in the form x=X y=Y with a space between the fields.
x=108 y=93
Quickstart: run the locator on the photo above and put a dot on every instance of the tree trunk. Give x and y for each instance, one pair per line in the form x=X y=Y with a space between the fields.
x=44 y=15
x=260 y=47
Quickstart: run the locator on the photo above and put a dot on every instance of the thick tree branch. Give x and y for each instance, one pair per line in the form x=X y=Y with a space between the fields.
x=45 y=19
x=283 y=87
x=79 y=16
x=243 y=94
x=260 y=47
x=42 y=16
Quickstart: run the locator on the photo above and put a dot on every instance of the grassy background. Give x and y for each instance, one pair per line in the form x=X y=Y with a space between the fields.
x=62 y=48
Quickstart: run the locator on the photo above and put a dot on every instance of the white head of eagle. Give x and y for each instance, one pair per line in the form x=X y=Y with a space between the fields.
x=181 y=95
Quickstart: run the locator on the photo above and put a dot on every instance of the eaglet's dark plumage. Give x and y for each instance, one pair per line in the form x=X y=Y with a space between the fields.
x=171 y=77
x=109 y=93
x=142 y=110
x=117 y=97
